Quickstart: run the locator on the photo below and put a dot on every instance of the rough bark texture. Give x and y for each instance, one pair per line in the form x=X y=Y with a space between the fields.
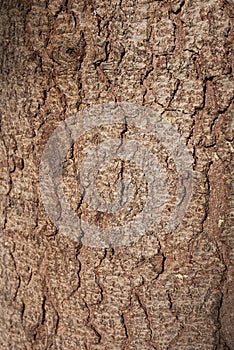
x=165 y=291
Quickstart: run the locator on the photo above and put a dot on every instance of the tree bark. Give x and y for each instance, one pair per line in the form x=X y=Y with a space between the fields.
x=164 y=291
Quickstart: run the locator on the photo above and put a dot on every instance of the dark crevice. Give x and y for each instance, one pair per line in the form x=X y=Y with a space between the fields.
x=124 y=326
x=179 y=9
x=177 y=84
x=43 y=310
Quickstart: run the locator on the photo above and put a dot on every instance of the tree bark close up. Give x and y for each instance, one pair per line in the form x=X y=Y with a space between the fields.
x=164 y=291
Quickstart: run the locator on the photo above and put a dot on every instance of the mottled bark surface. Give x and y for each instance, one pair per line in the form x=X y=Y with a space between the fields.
x=164 y=291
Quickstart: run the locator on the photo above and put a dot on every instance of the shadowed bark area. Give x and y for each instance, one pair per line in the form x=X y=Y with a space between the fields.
x=164 y=291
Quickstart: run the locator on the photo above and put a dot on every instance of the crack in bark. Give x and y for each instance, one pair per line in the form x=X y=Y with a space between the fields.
x=147 y=318
x=177 y=84
x=206 y=206
x=18 y=276
x=91 y=326
x=124 y=325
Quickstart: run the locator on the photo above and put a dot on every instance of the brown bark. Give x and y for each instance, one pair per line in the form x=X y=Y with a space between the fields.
x=164 y=291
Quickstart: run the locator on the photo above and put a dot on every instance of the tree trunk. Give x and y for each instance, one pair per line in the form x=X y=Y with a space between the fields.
x=162 y=290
